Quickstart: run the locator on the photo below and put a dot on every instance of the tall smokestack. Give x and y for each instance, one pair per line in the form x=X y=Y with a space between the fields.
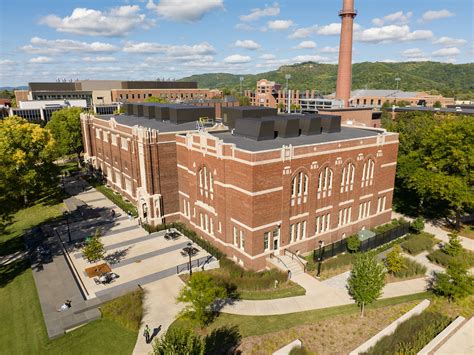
x=344 y=71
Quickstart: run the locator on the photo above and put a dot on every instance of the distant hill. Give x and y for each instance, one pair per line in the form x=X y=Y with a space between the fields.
x=435 y=77
x=11 y=88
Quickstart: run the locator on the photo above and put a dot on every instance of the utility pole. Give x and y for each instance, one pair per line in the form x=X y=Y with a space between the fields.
x=398 y=81
x=241 y=80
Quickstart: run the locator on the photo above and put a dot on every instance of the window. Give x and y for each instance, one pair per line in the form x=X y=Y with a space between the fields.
x=266 y=241
x=97 y=133
x=128 y=186
x=211 y=226
x=114 y=139
x=124 y=143
x=344 y=216
x=201 y=220
x=236 y=237
x=322 y=223
x=299 y=189
x=242 y=240
x=303 y=230
x=325 y=182
x=368 y=173
x=364 y=210
x=292 y=233
x=206 y=183
x=347 y=180
x=381 y=203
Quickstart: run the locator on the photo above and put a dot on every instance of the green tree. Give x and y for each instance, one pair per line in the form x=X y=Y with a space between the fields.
x=199 y=294
x=280 y=106
x=437 y=104
x=418 y=225
x=353 y=243
x=394 y=260
x=178 y=341
x=65 y=126
x=454 y=246
x=27 y=154
x=159 y=100
x=455 y=283
x=402 y=103
x=244 y=101
x=119 y=110
x=366 y=280
x=94 y=250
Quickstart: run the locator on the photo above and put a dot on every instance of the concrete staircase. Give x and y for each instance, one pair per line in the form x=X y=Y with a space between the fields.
x=286 y=262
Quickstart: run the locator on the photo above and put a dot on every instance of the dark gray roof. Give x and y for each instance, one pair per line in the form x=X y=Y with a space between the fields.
x=277 y=143
x=162 y=126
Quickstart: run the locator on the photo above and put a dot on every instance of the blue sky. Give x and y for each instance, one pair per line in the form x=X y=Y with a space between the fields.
x=149 y=39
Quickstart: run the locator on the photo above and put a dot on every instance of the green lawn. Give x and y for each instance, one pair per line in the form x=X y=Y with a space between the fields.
x=290 y=291
x=22 y=329
x=258 y=325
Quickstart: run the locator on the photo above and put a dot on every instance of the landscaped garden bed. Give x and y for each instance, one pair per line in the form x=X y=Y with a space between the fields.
x=441 y=258
x=417 y=243
x=253 y=285
x=410 y=270
x=412 y=335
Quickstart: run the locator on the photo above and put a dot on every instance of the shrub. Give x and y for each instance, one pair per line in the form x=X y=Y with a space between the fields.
x=394 y=260
x=454 y=246
x=441 y=258
x=410 y=268
x=412 y=335
x=388 y=226
x=178 y=341
x=416 y=243
x=418 y=224
x=353 y=244
x=455 y=283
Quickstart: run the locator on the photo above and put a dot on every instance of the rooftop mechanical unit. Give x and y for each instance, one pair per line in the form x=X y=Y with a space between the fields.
x=231 y=114
x=255 y=129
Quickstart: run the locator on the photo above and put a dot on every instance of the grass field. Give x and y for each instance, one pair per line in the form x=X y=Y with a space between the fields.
x=22 y=329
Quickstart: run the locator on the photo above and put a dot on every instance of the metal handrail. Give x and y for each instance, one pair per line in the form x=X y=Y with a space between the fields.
x=272 y=255
x=293 y=254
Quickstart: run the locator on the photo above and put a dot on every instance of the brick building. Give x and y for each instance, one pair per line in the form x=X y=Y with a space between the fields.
x=273 y=183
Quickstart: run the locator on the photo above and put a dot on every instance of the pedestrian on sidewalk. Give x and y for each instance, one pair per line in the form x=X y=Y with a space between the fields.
x=289 y=274
x=146 y=333
x=129 y=216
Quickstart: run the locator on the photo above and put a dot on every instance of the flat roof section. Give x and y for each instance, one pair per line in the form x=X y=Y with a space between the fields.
x=162 y=126
x=256 y=146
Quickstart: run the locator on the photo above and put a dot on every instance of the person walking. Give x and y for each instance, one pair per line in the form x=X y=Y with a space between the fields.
x=146 y=333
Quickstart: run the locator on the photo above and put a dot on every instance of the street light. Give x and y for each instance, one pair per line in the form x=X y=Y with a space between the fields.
x=241 y=80
x=320 y=257
x=398 y=81
x=189 y=251
x=288 y=77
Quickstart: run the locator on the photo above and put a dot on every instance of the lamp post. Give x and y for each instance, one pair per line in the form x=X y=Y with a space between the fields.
x=320 y=257
x=241 y=80
x=288 y=77
x=398 y=81
x=189 y=250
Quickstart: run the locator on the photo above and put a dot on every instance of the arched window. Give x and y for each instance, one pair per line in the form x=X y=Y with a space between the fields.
x=206 y=182
x=299 y=188
x=347 y=180
x=368 y=173
x=325 y=182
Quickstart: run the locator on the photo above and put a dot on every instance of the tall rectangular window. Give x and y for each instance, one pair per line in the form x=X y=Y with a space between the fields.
x=242 y=240
x=266 y=241
x=292 y=232
x=236 y=237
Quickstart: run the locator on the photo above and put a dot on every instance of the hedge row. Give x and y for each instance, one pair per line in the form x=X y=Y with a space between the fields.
x=211 y=249
x=416 y=243
x=441 y=258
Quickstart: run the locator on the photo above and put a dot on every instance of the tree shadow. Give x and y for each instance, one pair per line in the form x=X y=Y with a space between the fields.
x=10 y=271
x=117 y=256
x=223 y=341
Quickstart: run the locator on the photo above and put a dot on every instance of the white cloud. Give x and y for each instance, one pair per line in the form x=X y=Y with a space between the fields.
x=304 y=32
x=247 y=44
x=413 y=53
x=6 y=62
x=329 y=49
x=267 y=11
x=398 y=18
x=306 y=45
x=41 y=60
x=175 y=51
x=60 y=46
x=450 y=42
x=237 y=59
x=267 y=56
x=244 y=27
x=116 y=22
x=391 y=33
x=99 y=59
x=432 y=15
x=279 y=25
x=446 y=52
x=333 y=29
x=184 y=10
